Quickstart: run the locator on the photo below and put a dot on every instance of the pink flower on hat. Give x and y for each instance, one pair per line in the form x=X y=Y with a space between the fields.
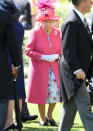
x=47 y=12
x=44 y=3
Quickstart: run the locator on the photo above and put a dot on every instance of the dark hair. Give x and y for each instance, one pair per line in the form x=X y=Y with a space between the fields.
x=77 y=2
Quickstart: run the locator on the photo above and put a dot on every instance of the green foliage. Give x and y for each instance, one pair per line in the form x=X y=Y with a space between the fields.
x=63 y=0
x=25 y=58
x=62 y=10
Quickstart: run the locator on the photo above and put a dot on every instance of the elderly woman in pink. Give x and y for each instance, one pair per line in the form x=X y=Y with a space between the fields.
x=44 y=50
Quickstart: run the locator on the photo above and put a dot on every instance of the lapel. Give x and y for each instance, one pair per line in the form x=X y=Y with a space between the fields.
x=79 y=21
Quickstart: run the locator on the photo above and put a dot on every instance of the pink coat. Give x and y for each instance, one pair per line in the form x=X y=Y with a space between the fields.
x=38 y=75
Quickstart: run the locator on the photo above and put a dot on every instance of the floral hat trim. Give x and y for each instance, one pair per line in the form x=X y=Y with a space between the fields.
x=55 y=18
x=44 y=3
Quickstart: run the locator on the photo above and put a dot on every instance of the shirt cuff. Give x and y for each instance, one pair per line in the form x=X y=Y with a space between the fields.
x=18 y=67
x=77 y=71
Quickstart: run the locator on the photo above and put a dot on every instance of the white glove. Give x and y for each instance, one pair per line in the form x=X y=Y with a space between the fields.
x=50 y=58
x=45 y=57
x=54 y=57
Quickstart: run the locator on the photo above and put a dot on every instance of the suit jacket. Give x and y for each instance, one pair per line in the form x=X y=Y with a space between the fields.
x=77 y=46
x=7 y=35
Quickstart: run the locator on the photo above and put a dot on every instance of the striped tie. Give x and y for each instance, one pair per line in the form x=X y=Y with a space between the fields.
x=86 y=25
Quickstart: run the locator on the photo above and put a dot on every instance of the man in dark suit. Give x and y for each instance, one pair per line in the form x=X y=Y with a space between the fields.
x=7 y=35
x=77 y=46
x=25 y=11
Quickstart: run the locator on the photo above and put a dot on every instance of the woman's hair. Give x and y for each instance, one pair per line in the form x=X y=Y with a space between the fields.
x=77 y=2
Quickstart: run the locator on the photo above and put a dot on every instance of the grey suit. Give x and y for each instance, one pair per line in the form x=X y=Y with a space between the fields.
x=77 y=45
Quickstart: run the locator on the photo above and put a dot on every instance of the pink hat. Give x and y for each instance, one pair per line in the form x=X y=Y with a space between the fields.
x=46 y=11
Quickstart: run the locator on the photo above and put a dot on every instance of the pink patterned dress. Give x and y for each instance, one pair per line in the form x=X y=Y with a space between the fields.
x=53 y=94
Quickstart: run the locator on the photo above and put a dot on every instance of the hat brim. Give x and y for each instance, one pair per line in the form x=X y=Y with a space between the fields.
x=55 y=18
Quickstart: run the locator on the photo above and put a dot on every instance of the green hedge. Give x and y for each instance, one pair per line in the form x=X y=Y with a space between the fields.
x=63 y=1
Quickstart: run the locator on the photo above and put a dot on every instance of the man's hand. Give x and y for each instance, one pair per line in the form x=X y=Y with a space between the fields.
x=81 y=75
x=14 y=72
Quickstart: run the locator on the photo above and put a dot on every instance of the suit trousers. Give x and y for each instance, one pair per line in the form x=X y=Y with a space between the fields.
x=3 y=113
x=80 y=102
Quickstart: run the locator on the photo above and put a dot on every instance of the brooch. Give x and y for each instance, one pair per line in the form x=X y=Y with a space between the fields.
x=55 y=32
